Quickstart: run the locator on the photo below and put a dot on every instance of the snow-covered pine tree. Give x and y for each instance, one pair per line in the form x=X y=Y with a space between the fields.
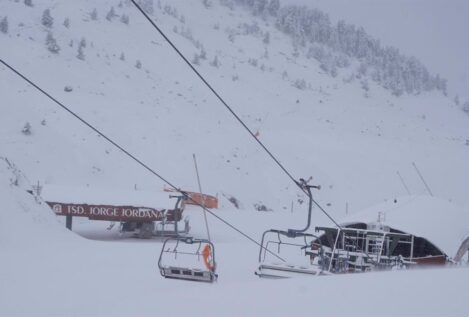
x=215 y=62
x=82 y=42
x=67 y=23
x=266 y=39
x=81 y=53
x=94 y=14
x=284 y=75
x=111 y=14
x=196 y=59
x=125 y=19
x=273 y=7
x=259 y=7
x=147 y=6
x=122 y=57
x=138 y=64
x=51 y=44
x=47 y=19
x=29 y=3
x=26 y=129
x=207 y=4
x=203 y=54
x=300 y=84
x=465 y=107
x=4 y=25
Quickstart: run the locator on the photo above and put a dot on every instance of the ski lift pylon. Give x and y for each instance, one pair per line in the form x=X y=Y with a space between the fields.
x=198 y=249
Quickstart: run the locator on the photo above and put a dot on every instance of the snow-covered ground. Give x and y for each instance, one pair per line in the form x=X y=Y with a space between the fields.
x=353 y=142
x=49 y=271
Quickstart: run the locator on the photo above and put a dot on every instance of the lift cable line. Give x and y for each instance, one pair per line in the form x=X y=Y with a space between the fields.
x=230 y=109
x=149 y=169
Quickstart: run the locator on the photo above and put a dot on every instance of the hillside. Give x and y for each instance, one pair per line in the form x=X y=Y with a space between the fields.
x=332 y=130
x=49 y=271
x=321 y=108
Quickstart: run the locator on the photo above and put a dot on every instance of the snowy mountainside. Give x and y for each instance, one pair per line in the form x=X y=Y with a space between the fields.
x=433 y=31
x=132 y=86
x=58 y=273
x=126 y=80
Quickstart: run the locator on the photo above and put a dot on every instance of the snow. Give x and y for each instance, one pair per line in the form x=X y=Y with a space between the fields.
x=106 y=196
x=120 y=278
x=352 y=142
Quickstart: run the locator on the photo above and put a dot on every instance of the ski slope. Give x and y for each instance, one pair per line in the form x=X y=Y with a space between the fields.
x=57 y=273
x=351 y=141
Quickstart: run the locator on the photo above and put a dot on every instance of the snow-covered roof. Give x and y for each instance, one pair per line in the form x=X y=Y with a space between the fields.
x=114 y=197
x=439 y=221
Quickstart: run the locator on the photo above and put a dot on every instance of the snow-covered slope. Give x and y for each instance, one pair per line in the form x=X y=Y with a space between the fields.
x=48 y=271
x=132 y=86
x=332 y=130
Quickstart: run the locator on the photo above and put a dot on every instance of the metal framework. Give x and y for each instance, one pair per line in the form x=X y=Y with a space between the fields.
x=199 y=252
x=296 y=240
x=359 y=250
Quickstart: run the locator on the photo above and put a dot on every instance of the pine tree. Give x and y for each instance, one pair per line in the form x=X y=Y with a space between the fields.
x=465 y=107
x=29 y=3
x=284 y=75
x=147 y=6
x=266 y=39
x=122 y=57
x=259 y=7
x=4 y=25
x=300 y=84
x=215 y=62
x=26 y=129
x=111 y=14
x=81 y=54
x=125 y=19
x=203 y=54
x=94 y=15
x=51 y=44
x=82 y=42
x=273 y=7
x=196 y=59
x=67 y=23
x=138 y=64
x=47 y=19
x=207 y=3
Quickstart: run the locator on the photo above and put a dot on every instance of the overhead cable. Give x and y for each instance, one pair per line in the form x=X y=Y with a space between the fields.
x=229 y=108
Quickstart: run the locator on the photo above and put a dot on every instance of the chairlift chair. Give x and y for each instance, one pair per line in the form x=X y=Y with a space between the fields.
x=199 y=253
x=304 y=244
x=307 y=245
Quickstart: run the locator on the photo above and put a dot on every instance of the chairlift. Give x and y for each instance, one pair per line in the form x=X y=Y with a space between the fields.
x=188 y=259
x=296 y=244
